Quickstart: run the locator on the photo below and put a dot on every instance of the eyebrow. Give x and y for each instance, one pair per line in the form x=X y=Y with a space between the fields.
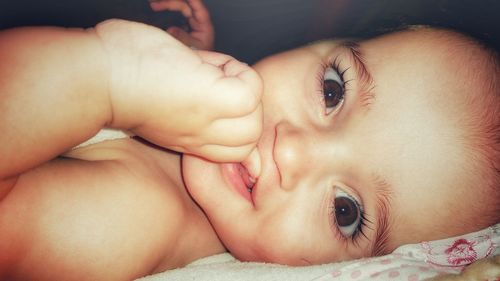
x=383 y=193
x=365 y=79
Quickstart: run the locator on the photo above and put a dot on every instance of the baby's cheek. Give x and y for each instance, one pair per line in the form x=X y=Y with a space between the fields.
x=197 y=175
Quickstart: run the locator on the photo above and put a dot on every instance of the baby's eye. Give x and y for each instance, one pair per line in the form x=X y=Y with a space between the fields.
x=333 y=90
x=348 y=214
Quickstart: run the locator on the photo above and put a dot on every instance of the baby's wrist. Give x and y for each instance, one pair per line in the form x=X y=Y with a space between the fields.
x=123 y=109
x=104 y=74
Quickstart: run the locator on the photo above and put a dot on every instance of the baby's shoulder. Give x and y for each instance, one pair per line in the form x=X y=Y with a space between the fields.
x=111 y=204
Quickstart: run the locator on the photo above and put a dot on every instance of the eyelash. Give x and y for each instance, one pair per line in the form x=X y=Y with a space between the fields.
x=335 y=65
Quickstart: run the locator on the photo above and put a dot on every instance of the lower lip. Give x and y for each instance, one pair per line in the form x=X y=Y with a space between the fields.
x=232 y=175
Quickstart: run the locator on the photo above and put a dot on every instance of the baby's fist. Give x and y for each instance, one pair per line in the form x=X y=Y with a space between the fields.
x=234 y=107
x=213 y=111
x=197 y=102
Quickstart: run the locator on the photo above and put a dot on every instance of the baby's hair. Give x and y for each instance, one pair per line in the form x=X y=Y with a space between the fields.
x=488 y=124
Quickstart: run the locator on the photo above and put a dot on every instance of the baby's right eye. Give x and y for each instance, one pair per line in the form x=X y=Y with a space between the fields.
x=333 y=90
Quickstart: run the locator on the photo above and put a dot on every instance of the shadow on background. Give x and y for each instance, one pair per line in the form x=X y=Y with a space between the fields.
x=250 y=30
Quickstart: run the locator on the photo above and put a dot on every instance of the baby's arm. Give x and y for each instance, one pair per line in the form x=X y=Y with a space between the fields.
x=195 y=102
x=53 y=94
x=60 y=86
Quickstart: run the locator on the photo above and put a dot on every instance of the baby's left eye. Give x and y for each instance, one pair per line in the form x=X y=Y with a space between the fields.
x=348 y=214
x=333 y=90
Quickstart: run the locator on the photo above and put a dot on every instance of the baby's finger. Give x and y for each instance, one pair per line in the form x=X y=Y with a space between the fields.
x=172 y=5
x=239 y=93
x=233 y=67
x=231 y=98
x=253 y=163
x=235 y=131
x=214 y=58
x=225 y=154
x=200 y=12
x=247 y=75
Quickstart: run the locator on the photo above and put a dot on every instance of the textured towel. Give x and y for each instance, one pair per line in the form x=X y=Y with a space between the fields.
x=103 y=135
x=409 y=262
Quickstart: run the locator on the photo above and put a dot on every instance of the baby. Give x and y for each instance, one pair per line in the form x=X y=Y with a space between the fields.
x=337 y=150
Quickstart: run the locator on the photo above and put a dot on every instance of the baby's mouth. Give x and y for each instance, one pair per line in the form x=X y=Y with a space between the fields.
x=247 y=178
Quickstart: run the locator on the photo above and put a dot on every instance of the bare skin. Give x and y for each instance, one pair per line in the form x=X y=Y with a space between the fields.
x=393 y=145
x=116 y=210
x=120 y=204
x=119 y=209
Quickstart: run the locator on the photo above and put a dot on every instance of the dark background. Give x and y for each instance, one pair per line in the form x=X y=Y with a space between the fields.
x=250 y=29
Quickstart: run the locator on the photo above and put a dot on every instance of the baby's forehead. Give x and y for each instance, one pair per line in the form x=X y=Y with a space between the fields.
x=460 y=58
x=433 y=42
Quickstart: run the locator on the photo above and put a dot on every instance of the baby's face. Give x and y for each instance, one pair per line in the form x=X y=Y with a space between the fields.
x=360 y=152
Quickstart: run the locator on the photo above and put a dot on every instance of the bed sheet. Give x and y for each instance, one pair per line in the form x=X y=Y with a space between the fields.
x=409 y=262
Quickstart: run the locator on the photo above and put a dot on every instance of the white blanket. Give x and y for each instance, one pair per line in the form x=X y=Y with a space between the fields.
x=226 y=267
x=409 y=262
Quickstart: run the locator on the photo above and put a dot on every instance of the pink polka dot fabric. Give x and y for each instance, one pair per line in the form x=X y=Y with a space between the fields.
x=389 y=267
x=425 y=260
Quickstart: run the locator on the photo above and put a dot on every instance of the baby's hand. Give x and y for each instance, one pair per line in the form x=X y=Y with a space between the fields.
x=201 y=36
x=197 y=102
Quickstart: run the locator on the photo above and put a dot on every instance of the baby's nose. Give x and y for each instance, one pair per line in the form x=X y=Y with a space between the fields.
x=291 y=154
